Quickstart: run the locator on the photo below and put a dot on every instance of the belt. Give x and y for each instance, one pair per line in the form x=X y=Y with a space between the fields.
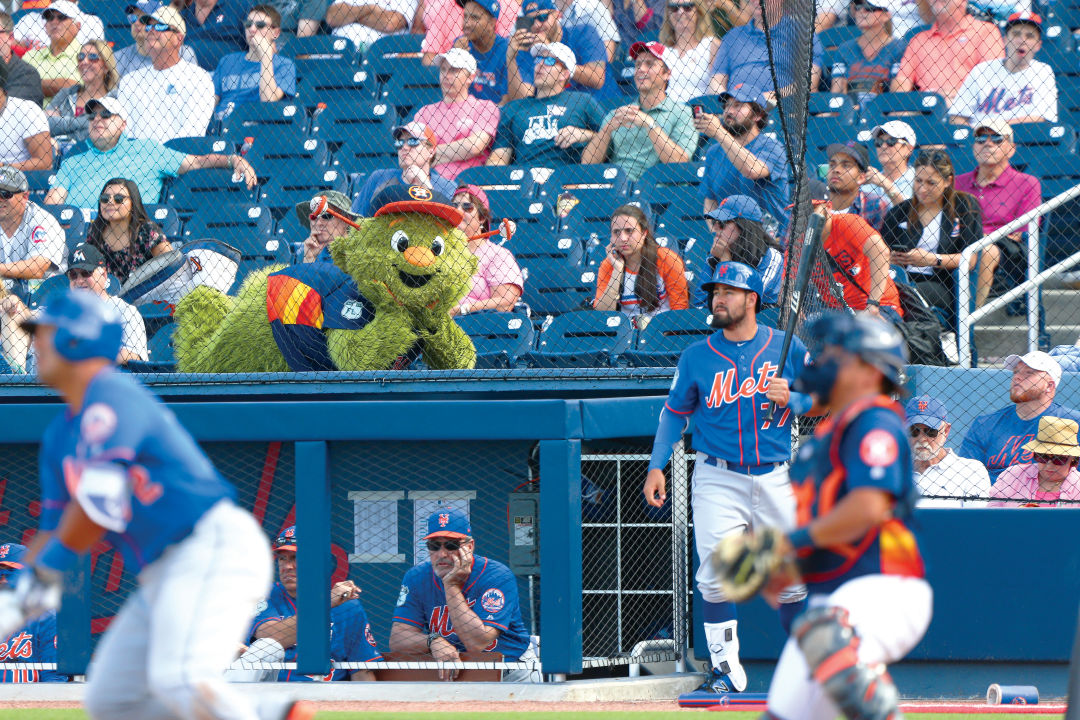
x=764 y=469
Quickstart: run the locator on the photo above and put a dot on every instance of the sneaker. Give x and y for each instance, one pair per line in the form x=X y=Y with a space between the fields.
x=717 y=682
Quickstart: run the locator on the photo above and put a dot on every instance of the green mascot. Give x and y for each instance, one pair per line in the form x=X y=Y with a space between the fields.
x=382 y=302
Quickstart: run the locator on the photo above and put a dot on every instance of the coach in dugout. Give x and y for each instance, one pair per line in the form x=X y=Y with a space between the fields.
x=459 y=601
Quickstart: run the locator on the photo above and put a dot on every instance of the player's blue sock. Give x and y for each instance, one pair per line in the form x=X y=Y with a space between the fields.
x=719 y=612
x=790 y=611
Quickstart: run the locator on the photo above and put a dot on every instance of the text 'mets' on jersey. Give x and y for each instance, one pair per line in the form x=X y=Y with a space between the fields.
x=33 y=643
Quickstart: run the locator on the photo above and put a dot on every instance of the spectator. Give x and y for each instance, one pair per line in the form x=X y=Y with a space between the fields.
x=849 y=164
x=638 y=277
x=894 y=141
x=365 y=21
x=303 y=17
x=351 y=639
x=928 y=232
x=122 y=230
x=1018 y=89
x=30 y=30
x=1003 y=194
x=1050 y=477
x=443 y=18
x=24 y=133
x=739 y=236
x=487 y=47
x=691 y=44
x=435 y=612
x=594 y=13
x=656 y=129
x=32 y=243
x=743 y=58
x=171 y=97
x=829 y=13
x=866 y=63
x=547 y=129
x=743 y=161
x=997 y=439
x=137 y=56
x=909 y=16
x=591 y=72
x=56 y=63
x=23 y=81
x=98 y=78
x=324 y=228
x=110 y=154
x=35 y=642
x=463 y=125
x=259 y=75
x=415 y=143
x=944 y=479
x=638 y=20
x=937 y=60
x=218 y=20
x=497 y=283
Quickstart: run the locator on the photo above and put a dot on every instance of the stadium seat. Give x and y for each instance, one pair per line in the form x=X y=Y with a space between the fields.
x=821 y=104
x=71 y=219
x=203 y=145
x=208 y=53
x=320 y=47
x=554 y=286
x=248 y=228
x=1062 y=60
x=666 y=335
x=1061 y=232
x=514 y=179
x=199 y=189
x=282 y=193
x=684 y=220
x=391 y=54
x=501 y=339
x=161 y=355
x=289 y=230
x=334 y=83
x=591 y=215
x=879 y=108
x=338 y=124
x=587 y=338
x=252 y=119
x=1045 y=138
x=695 y=251
x=273 y=155
x=409 y=91
x=661 y=181
x=1057 y=37
x=834 y=37
x=39 y=182
x=363 y=155
x=585 y=177
x=822 y=132
x=528 y=248
x=624 y=76
x=534 y=218
x=47 y=288
x=167 y=219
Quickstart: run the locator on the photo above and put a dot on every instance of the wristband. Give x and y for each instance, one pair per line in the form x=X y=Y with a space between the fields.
x=800 y=539
x=431 y=638
x=938 y=263
x=644 y=19
x=56 y=557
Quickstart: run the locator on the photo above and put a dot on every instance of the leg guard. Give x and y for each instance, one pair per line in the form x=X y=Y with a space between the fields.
x=723 y=641
x=830 y=645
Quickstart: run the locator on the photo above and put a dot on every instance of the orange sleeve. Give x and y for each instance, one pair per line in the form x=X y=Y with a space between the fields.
x=671 y=268
x=603 y=277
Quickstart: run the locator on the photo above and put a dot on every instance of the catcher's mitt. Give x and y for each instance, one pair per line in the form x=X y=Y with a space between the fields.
x=745 y=562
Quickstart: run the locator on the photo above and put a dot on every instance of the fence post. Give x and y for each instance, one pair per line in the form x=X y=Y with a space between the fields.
x=560 y=557
x=312 y=558
x=73 y=621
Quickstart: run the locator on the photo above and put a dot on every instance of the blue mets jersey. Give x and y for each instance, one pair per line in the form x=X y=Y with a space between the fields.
x=491 y=591
x=723 y=384
x=171 y=483
x=997 y=440
x=351 y=639
x=865 y=446
x=34 y=643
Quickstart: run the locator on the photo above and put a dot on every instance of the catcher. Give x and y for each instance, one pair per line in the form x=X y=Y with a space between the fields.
x=868 y=603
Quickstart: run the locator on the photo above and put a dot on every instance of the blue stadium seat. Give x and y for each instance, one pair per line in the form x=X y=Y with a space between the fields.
x=1061 y=232
x=1063 y=61
x=203 y=145
x=363 y=155
x=248 y=228
x=529 y=248
x=333 y=84
x=684 y=220
x=274 y=155
x=246 y=267
x=878 y=108
x=695 y=251
x=200 y=189
x=516 y=179
x=392 y=54
x=320 y=47
x=666 y=335
x=591 y=215
x=289 y=230
x=167 y=219
x=46 y=289
x=822 y=132
x=585 y=177
x=501 y=339
x=161 y=355
x=71 y=219
x=587 y=338
x=956 y=139
x=659 y=182
x=554 y=286
x=208 y=53
x=252 y=119
x=624 y=76
x=39 y=182
x=1059 y=136
x=534 y=218
x=409 y=91
x=1055 y=37
x=338 y=124
x=282 y=193
x=821 y=104
x=834 y=37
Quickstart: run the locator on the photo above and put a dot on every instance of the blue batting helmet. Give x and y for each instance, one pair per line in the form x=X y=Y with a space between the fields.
x=876 y=341
x=736 y=275
x=86 y=326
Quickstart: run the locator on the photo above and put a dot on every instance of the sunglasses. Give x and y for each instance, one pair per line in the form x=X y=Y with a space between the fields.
x=115 y=198
x=995 y=138
x=257 y=24
x=882 y=142
x=541 y=17
x=321 y=216
x=465 y=206
x=546 y=60
x=681 y=7
x=916 y=431
x=93 y=57
x=50 y=15
x=932 y=157
x=1051 y=459
x=132 y=18
x=7 y=194
x=76 y=274
x=103 y=114
x=411 y=142
x=155 y=25
x=451 y=545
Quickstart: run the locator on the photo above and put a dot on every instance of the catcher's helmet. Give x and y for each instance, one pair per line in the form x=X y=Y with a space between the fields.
x=86 y=326
x=736 y=275
x=876 y=341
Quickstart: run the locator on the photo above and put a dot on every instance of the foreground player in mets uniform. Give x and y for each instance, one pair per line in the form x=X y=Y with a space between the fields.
x=725 y=383
x=116 y=465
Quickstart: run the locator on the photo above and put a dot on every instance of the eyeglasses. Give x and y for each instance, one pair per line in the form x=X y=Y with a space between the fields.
x=321 y=216
x=103 y=114
x=7 y=194
x=76 y=274
x=996 y=138
x=465 y=206
x=1051 y=459
x=157 y=26
x=93 y=57
x=927 y=431
x=115 y=199
x=932 y=157
x=546 y=60
x=541 y=17
x=451 y=545
x=882 y=142
x=257 y=24
x=50 y=15
x=681 y=7
x=411 y=142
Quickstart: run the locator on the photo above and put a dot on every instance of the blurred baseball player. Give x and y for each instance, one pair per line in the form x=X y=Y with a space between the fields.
x=725 y=383
x=35 y=642
x=868 y=602
x=116 y=465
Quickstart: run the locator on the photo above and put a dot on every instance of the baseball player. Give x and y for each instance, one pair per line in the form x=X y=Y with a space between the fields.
x=725 y=384
x=351 y=639
x=35 y=642
x=116 y=465
x=458 y=601
x=868 y=602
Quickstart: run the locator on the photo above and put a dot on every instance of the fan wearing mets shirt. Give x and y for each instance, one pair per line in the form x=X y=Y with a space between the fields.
x=35 y=642
x=725 y=383
x=458 y=601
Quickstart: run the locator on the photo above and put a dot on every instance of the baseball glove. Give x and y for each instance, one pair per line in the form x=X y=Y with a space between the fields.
x=745 y=562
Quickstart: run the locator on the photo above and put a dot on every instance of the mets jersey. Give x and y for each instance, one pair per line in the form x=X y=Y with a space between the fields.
x=997 y=439
x=491 y=592
x=34 y=643
x=351 y=639
x=171 y=483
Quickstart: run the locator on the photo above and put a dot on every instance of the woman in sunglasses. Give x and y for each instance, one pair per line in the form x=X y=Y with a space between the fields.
x=864 y=64
x=691 y=44
x=497 y=283
x=97 y=78
x=1051 y=476
x=122 y=230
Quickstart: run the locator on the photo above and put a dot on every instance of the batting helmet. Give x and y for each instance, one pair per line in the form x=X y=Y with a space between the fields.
x=876 y=341
x=86 y=326
x=736 y=275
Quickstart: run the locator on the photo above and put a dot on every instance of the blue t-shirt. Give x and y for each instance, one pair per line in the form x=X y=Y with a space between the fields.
x=744 y=56
x=379 y=179
x=172 y=482
x=997 y=439
x=351 y=639
x=871 y=76
x=588 y=48
x=34 y=643
x=236 y=79
x=490 y=83
x=528 y=126
x=145 y=162
x=491 y=592
x=722 y=178
x=723 y=384
x=771 y=269
x=224 y=24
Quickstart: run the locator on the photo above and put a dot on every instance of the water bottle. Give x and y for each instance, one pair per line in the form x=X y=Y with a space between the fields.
x=248 y=142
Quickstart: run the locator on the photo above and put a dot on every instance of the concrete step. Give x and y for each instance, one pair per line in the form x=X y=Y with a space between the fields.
x=994 y=343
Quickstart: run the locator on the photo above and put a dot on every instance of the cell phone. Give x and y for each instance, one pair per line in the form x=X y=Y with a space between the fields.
x=523 y=23
x=698 y=110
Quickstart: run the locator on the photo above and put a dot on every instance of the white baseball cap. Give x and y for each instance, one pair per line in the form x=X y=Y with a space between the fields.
x=897 y=129
x=994 y=124
x=111 y=104
x=67 y=9
x=1036 y=360
x=560 y=52
x=457 y=58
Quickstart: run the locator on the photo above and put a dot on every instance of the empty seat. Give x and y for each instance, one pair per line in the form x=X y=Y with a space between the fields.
x=208 y=53
x=200 y=189
x=391 y=54
x=822 y=104
x=161 y=353
x=410 y=91
x=879 y=108
x=334 y=83
x=515 y=179
x=248 y=228
x=590 y=216
x=39 y=182
x=273 y=155
x=554 y=286
x=534 y=218
x=202 y=145
x=587 y=338
x=71 y=219
x=282 y=193
x=250 y=119
x=1059 y=136
x=363 y=155
x=340 y=123
x=586 y=177
x=165 y=218
x=501 y=339
x=665 y=337
x=660 y=181
x=320 y=47
x=527 y=248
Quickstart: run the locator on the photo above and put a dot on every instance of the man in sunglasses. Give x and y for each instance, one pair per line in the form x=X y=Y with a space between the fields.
x=30 y=30
x=259 y=75
x=415 y=143
x=136 y=56
x=23 y=81
x=1051 y=476
x=56 y=62
x=458 y=601
x=894 y=142
x=944 y=479
x=324 y=228
x=32 y=243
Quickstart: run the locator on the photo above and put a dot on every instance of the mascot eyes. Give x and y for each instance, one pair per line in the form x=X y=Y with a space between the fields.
x=437 y=246
x=399 y=242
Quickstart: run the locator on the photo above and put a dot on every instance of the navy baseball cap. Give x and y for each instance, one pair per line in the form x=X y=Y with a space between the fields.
x=448 y=522
x=855 y=150
x=925 y=410
x=286 y=539
x=414 y=199
x=736 y=206
x=747 y=93
x=491 y=6
x=11 y=555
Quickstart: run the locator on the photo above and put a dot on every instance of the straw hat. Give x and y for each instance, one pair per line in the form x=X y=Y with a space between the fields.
x=1056 y=436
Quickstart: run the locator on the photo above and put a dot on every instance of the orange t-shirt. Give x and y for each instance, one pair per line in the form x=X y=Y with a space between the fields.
x=845 y=243
x=670 y=285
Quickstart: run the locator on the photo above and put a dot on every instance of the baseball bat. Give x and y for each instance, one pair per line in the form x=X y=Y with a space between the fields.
x=811 y=243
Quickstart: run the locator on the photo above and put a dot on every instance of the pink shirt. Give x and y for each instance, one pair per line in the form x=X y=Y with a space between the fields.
x=1021 y=482
x=1008 y=197
x=443 y=19
x=495 y=266
x=453 y=121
